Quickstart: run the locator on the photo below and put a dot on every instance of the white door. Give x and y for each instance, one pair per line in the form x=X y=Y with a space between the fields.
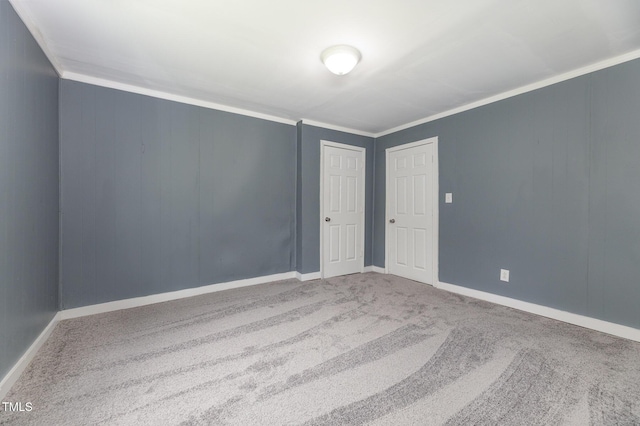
x=342 y=209
x=412 y=221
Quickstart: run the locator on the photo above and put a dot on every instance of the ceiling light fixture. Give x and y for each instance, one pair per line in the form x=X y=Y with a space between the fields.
x=340 y=59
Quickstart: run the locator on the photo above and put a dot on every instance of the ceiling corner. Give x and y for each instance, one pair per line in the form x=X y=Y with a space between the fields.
x=29 y=22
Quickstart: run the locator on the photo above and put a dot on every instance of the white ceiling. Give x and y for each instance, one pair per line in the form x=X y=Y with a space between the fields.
x=420 y=58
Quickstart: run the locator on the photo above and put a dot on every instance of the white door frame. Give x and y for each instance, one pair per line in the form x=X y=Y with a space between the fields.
x=363 y=175
x=435 y=189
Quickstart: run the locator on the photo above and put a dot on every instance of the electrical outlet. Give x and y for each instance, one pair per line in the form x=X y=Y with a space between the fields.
x=504 y=275
x=448 y=198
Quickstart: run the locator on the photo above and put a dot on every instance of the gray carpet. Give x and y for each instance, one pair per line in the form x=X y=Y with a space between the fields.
x=362 y=349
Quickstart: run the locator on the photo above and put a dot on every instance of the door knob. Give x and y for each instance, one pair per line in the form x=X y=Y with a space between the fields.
x=327 y=219
x=392 y=221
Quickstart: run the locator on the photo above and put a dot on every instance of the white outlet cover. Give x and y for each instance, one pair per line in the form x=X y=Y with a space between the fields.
x=448 y=198
x=504 y=275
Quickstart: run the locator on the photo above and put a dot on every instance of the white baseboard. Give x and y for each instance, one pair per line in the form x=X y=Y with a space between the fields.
x=575 y=319
x=316 y=275
x=172 y=295
x=308 y=277
x=12 y=376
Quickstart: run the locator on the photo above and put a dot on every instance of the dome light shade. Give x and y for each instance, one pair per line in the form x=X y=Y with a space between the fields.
x=340 y=59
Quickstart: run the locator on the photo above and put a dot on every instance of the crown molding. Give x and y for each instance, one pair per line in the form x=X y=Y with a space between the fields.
x=607 y=63
x=337 y=128
x=102 y=82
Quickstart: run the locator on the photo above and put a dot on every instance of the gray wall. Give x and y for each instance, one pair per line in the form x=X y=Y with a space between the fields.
x=28 y=189
x=159 y=196
x=299 y=230
x=544 y=184
x=308 y=214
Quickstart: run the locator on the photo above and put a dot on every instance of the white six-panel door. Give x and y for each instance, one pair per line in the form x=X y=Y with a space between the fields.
x=412 y=195
x=342 y=209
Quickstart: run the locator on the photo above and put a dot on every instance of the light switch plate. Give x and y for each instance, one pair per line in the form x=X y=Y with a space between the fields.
x=448 y=198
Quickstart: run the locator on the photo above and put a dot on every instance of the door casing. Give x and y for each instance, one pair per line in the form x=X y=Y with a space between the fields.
x=361 y=195
x=434 y=189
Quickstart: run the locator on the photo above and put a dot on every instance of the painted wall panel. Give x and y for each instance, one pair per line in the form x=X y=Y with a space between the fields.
x=166 y=196
x=127 y=161
x=105 y=191
x=28 y=189
x=151 y=191
x=544 y=185
x=615 y=206
x=308 y=259
x=250 y=186
x=299 y=230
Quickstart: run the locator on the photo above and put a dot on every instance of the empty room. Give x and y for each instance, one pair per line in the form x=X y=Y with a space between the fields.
x=320 y=212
